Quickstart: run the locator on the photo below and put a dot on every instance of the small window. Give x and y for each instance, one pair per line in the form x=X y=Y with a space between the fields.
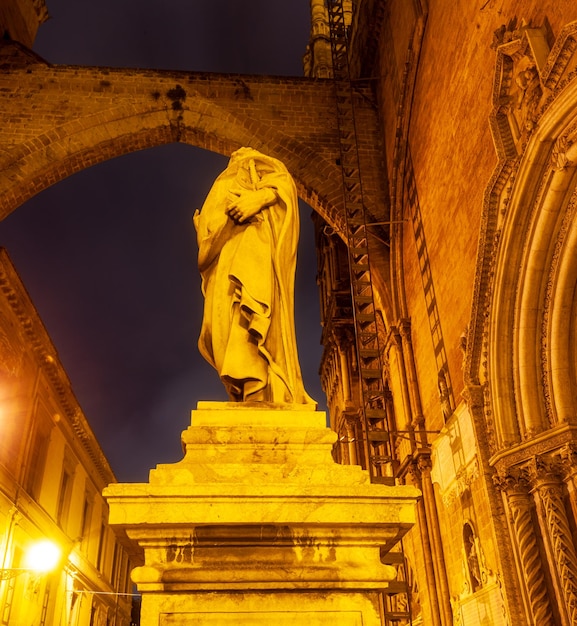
x=37 y=458
x=86 y=521
x=64 y=498
x=66 y=486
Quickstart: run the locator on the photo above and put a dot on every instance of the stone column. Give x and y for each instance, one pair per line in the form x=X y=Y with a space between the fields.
x=442 y=585
x=415 y=474
x=351 y=443
x=569 y=465
x=558 y=538
x=418 y=427
x=404 y=421
x=517 y=489
x=418 y=421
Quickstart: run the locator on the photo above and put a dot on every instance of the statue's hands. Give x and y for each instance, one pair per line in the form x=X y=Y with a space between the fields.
x=246 y=204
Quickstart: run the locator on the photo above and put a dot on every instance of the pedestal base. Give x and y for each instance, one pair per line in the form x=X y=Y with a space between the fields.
x=258 y=525
x=262 y=609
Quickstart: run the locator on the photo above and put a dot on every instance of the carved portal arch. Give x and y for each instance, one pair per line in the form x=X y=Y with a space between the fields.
x=531 y=371
x=524 y=319
x=522 y=335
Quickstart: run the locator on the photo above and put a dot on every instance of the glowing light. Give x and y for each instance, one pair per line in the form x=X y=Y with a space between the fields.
x=42 y=556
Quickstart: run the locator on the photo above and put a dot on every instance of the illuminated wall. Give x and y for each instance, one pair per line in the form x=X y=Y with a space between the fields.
x=52 y=472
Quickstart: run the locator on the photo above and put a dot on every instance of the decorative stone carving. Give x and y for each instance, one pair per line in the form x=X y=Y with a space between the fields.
x=472 y=550
x=547 y=364
x=562 y=62
x=568 y=461
x=462 y=483
x=444 y=395
x=556 y=524
x=521 y=54
x=559 y=155
x=516 y=485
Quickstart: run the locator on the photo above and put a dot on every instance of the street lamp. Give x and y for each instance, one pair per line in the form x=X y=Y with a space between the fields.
x=41 y=557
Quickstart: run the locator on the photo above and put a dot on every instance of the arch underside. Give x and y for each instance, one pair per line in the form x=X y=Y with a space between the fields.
x=103 y=113
x=43 y=161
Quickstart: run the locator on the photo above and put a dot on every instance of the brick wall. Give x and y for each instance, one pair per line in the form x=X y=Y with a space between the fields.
x=60 y=119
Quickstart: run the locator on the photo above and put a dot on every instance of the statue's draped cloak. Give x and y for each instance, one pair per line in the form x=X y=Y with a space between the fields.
x=247 y=271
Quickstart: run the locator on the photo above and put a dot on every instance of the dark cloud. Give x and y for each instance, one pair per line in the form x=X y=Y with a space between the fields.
x=253 y=36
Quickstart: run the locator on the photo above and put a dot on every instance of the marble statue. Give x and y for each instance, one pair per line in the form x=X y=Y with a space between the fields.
x=247 y=234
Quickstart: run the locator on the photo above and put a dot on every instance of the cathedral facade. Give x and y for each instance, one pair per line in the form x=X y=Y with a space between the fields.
x=473 y=272
x=447 y=267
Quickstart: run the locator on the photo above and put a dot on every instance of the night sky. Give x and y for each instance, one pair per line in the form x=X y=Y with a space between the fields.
x=108 y=255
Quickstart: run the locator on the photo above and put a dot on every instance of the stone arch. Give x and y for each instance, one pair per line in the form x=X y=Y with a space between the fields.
x=86 y=115
x=531 y=370
x=80 y=143
x=83 y=115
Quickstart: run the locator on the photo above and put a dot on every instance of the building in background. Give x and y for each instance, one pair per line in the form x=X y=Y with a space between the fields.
x=52 y=472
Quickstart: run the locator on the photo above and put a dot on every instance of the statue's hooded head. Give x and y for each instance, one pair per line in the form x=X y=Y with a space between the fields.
x=242 y=157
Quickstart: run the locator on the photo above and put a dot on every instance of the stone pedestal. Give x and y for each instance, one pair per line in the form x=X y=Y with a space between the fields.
x=257 y=525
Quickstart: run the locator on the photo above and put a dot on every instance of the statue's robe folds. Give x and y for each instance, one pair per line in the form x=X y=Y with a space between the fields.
x=247 y=271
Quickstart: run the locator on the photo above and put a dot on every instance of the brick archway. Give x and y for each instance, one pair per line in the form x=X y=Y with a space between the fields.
x=63 y=119
x=45 y=160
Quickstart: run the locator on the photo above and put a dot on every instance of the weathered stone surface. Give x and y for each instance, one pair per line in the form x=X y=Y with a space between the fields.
x=258 y=507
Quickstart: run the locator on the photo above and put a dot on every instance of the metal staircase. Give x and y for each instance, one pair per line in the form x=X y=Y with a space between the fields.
x=377 y=440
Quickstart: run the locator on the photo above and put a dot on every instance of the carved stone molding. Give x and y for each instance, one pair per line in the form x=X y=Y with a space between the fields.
x=543 y=469
x=561 y=63
x=405 y=329
x=476 y=366
x=559 y=159
x=462 y=483
x=558 y=251
x=520 y=98
x=424 y=462
x=551 y=442
x=513 y=481
x=568 y=461
x=414 y=473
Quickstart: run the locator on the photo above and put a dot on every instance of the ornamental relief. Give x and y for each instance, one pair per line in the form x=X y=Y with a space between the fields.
x=540 y=464
x=560 y=248
x=528 y=77
x=462 y=483
x=518 y=91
